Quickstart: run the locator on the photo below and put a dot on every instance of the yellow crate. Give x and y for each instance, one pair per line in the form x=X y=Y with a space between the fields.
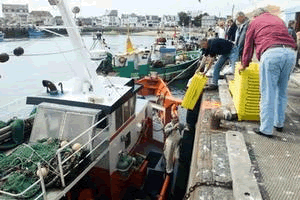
x=245 y=92
x=193 y=92
x=248 y=117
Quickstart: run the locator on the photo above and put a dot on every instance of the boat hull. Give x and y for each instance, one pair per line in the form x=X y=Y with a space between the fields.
x=167 y=73
x=2 y=37
x=33 y=33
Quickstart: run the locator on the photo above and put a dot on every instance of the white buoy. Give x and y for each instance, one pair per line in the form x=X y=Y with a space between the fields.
x=76 y=146
x=43 y=171
x=63 y=143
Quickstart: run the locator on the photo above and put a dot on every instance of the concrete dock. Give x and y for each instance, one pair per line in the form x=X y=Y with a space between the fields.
x=230 y=161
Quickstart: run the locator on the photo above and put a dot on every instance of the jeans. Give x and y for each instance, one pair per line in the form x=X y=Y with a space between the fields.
x=275 y=69
x=233 y=56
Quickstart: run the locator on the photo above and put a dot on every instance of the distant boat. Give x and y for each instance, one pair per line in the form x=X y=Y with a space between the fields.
x=2 y=36
x=97 y=129
x=169 y=62
x=34 y=33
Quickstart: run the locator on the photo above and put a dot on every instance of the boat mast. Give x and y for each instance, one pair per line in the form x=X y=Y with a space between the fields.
x=76 y=40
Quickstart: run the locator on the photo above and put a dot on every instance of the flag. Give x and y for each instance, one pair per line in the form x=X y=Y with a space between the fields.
x=129 y=46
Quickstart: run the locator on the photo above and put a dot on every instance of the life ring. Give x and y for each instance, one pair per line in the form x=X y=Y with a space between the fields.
x=122 y=59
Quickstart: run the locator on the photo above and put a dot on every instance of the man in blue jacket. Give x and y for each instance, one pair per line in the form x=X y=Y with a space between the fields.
x=227 y=49
x=211 y=48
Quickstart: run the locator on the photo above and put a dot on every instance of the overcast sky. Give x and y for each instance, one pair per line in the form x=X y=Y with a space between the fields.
x=156 y=7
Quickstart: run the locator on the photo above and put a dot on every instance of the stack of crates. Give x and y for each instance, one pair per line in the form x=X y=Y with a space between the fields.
x=245 y=91
x=194 y=91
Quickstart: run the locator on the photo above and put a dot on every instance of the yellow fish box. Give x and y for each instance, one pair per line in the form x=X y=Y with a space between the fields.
x=194 y=91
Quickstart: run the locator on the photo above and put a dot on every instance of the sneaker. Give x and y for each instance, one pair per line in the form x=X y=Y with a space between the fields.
x=211 y=87
x=257 y=131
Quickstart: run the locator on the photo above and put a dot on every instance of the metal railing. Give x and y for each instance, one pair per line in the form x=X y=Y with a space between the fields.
x=93 y=161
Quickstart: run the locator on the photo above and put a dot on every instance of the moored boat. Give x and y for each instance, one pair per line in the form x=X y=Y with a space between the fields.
x=2 y=36
x=35 y=33
x=88 y=128
x=117 y=139
x=167 y=61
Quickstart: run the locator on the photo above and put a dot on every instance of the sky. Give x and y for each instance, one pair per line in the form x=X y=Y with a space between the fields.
x=155 y=7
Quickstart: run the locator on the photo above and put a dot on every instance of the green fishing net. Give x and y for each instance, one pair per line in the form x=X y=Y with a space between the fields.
x=2 y=124
x=18 y=169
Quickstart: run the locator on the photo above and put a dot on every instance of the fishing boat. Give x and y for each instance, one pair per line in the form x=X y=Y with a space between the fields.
x=35 y=33
x=99 y=49
x=91 y=136
x=167 y=61
x=2 y=36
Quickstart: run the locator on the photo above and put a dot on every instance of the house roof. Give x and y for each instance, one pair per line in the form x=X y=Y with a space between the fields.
x=113 y=13
x=41 y=13
x=7 y=6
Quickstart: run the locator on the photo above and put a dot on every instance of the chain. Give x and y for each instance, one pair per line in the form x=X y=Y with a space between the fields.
x=227 y=185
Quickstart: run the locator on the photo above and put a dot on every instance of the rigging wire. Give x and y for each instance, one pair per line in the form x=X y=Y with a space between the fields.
x=113 y=86
x=69 y=64
x=51 y=53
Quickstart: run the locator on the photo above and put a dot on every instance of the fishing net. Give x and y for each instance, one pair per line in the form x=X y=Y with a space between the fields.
x=14 y=132
x=18 y=170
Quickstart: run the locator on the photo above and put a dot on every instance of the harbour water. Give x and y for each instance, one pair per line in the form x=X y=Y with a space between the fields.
x=43 y=60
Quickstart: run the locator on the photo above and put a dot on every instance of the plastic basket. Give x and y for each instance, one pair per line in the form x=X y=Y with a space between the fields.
x=193 y=92
x=245 y=91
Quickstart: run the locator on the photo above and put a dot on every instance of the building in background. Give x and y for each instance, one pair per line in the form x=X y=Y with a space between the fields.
x=58 y=21
x=111 y=19
x=97 y=21
x=153 y=21
x=291 y=13
x=169 y=20
x=131 y=20
x=84 y=21
x=142 y=21
x=15 y=14
x=208 y=22
x=41 y=18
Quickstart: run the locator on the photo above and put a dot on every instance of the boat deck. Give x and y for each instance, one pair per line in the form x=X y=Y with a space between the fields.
x=232 y=162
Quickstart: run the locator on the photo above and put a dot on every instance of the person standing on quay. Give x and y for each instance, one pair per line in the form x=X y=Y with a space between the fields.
x=243 y=23
x=291 y=29
x=275 y=49
x=225 y=48
x=231 y=30
x=221 y=29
